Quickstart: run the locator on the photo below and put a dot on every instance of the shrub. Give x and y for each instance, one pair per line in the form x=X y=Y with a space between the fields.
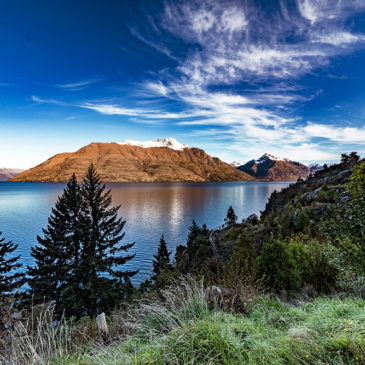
x=322 y=196
x=290 y=265
x=233 y=234
x=302 y=221
x=278 y=267
x=313 y=262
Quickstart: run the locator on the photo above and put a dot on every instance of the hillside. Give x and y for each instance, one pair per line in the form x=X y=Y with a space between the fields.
x=271 y=168
x=303 y=219
x=6 y=174
x=132 y=161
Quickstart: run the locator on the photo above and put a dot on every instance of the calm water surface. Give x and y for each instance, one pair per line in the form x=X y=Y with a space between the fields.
x=149 y=209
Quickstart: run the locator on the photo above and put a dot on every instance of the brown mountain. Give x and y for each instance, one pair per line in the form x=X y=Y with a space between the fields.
x=136 y=163
x=6 y=174
x=270 y=168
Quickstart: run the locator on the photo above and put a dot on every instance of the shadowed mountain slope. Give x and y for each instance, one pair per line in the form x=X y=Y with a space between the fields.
x=271 y=168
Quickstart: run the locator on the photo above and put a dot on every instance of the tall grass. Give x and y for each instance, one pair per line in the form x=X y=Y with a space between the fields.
x=324 y=331
x=38 y=338
x=184 y=300
x=183 y=326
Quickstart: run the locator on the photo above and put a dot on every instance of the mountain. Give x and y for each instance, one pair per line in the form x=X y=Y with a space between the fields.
x=237 y=163
x=315 y=167
x=133 y=161
x=269 y=167
x=6 y=174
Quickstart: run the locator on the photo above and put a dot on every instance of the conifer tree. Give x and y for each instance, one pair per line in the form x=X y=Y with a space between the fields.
x=231 y=217
x=57 y=255
x=78 y=260
x=194 y=230
x=162 y=259
x=10 y=277
x=104 y=284
x=204 y=229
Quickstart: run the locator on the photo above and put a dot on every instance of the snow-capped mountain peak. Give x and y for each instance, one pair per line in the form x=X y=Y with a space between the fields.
x=166 y=142
x=237 y=163
x=268 y=156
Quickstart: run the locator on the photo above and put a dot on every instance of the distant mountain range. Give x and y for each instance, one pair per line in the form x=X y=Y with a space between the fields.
x=161 y=160
x=6 y=174
x=271 y=168
x=315 y=167
x=133 y=161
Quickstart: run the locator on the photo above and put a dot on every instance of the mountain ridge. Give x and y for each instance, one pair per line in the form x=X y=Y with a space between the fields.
x=7 y=173
x=271 y=168
x=118 y=162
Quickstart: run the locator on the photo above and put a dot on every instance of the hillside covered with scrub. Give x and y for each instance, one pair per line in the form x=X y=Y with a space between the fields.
x=287 y=287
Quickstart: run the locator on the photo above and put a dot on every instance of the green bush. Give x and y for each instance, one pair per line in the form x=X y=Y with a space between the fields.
x=313 y=263
x=278 y=266
x=322 y=196
x=233 y=234
x=290 y=265
x=302 y=223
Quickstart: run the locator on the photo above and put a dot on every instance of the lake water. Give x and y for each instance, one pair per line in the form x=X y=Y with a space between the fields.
x=149 y=209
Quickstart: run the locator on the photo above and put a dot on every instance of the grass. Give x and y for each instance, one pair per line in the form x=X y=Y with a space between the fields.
x=186 y=327
x=324 y=331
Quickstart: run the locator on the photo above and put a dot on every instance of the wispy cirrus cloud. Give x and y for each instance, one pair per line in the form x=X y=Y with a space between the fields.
x=239 y=40
x=242 y=43
x=79 y=85
x=39 y=100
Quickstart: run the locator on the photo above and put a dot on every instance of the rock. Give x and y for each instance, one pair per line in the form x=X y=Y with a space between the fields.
x=312 y=196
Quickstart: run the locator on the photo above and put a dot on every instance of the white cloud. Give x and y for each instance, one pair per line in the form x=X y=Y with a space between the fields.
x=114 y=109
x=39 y=100
x=233 y=20
x=235 y=46
x=202 y=21
x=157 y=87
x=79 y=85
x=111 y=109
x=336 y=134
x=310 y=9
x=340 y=38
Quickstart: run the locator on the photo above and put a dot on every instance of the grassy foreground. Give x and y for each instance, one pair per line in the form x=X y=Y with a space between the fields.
x=186 y=330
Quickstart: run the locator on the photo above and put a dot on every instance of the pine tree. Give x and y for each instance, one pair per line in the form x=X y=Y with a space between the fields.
x=194 y=230
x=10 y=277
x=204 y=229
x=231 y=217
x=104 y=284
x=161 y=262
x=57 y=255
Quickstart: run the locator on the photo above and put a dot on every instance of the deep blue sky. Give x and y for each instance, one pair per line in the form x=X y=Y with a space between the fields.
x=236 y=78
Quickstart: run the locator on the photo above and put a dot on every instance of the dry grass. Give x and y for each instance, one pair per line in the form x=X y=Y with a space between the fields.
x=37 y=338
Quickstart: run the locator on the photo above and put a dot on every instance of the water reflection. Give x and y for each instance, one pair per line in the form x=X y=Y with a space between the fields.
x=150 y=210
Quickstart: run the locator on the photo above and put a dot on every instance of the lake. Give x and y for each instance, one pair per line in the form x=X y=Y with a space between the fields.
x=150 y=209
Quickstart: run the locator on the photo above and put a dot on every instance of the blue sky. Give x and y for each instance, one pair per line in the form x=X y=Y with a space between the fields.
x=236 y=78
